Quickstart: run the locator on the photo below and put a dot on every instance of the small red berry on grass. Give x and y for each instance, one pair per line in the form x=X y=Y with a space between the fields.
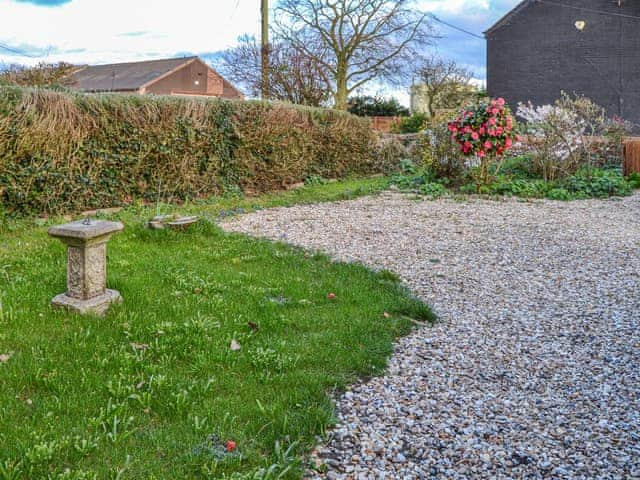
x=230 y=445
x=331 y=296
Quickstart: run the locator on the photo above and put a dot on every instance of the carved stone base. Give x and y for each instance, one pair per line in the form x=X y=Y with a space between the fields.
x=96 y=305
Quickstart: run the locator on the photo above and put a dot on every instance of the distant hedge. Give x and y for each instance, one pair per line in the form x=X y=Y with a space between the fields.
x=63 y=151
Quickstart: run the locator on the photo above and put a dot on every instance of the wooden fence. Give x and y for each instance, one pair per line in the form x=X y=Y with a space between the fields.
x=384 y=124
x=631 y=156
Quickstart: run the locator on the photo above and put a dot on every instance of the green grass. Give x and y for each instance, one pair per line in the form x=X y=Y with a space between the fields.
x=153 y=390
x=216 y=207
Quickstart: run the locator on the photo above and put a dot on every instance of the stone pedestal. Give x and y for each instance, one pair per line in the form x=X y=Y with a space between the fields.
x=87 y=266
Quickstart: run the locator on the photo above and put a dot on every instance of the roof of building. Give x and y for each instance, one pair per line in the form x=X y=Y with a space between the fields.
x=509 y=15
x=125 y=76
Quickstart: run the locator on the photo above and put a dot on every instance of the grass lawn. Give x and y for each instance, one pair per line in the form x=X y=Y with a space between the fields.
x=153 y=390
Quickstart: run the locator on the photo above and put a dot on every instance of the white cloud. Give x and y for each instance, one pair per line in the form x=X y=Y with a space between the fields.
x=95 y=30
x=99 y=31
x=454 y=7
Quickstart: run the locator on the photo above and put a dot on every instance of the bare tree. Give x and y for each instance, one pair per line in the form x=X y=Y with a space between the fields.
x=361 y=40
x=293 y=76
x=442 y=84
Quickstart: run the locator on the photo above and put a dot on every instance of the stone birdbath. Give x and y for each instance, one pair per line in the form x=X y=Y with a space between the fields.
x=86 y=242
x=175 y=222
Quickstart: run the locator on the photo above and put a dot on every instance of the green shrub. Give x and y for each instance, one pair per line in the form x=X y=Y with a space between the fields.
x=520 y=166
x=558 y=194
x=519 y=187
x=634 y=180
x=597 y=183
x=413 y=124
x=422 y=181
x=432 y=189
x=593 y=183
x=368 y=106
x=65 y=152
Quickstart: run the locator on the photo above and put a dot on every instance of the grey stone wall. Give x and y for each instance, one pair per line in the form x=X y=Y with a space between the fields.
x=539 y=52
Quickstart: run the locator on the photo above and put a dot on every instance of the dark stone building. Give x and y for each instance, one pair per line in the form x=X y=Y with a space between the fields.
x=587 y=47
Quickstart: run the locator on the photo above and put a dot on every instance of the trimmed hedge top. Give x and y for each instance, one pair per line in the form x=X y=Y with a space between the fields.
x=63 y=151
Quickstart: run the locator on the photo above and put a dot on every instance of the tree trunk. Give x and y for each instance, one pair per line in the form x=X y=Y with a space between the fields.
x=430 y=107
x=265 y=49
x=341 y=94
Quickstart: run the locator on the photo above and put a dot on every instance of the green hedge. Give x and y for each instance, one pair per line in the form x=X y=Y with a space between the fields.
x=63 y=151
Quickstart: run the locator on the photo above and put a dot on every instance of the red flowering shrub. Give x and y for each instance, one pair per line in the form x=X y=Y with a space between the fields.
x=484 y=131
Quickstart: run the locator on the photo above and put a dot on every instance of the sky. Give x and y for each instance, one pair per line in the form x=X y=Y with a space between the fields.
x=98 y=31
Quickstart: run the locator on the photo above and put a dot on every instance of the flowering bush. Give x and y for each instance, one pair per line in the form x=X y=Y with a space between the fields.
x=484 y=131
x=555 y=137
x=571 y=134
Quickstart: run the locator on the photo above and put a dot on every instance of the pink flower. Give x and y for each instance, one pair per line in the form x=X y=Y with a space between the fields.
x=499 y=131
x=482 y=130
x=508 y=142
x=492 y=121
x=481 y=154
x=230 y=446
x=500 y=101
x=488 y=145
x=475 y=135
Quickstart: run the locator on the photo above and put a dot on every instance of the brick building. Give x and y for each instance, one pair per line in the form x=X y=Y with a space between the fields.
x=176 y=76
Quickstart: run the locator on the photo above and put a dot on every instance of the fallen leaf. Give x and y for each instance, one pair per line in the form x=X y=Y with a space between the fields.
x=235 y=346
x=386 y=315
x=139 y=346
x=253 y=326
x=4 y=358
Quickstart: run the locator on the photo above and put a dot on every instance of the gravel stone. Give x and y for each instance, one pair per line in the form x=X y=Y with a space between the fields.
x=533 y=370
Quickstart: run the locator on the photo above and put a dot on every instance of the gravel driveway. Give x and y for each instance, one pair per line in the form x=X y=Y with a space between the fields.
x=534 y=368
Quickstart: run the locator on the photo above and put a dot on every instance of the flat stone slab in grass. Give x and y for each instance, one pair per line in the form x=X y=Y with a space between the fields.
x=161 y=222
x=532 y=371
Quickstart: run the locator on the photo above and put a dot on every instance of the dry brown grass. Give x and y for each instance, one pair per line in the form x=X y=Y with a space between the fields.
x=62 y=151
